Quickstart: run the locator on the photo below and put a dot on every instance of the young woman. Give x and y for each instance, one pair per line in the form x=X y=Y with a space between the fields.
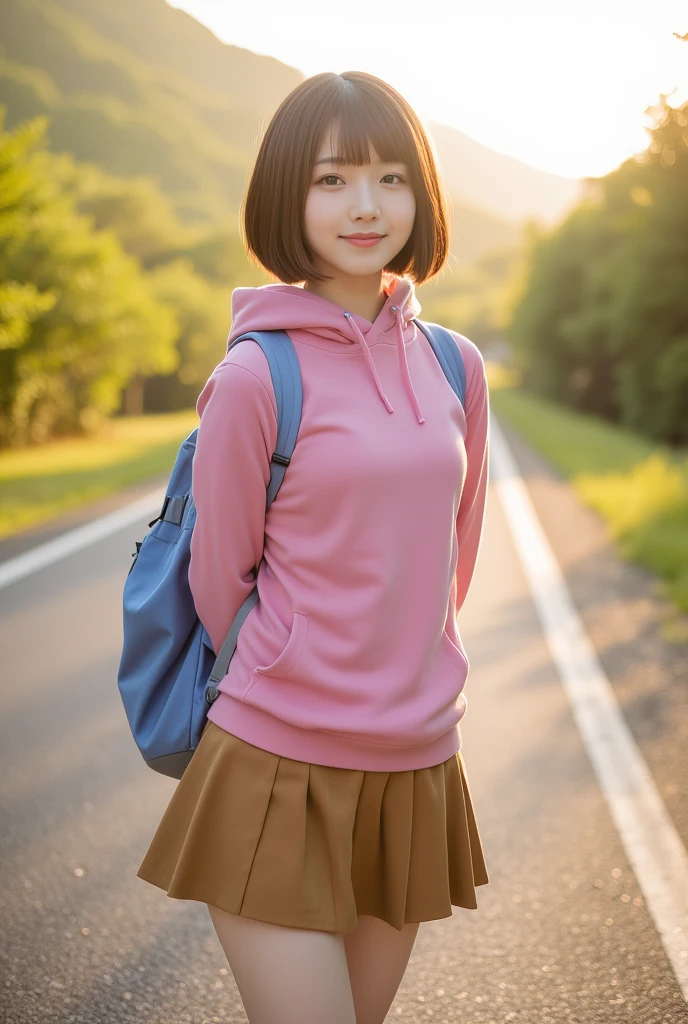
x=326 y=811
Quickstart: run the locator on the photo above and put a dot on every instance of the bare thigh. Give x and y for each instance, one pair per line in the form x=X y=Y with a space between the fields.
x=377 y=955
x=286 y=975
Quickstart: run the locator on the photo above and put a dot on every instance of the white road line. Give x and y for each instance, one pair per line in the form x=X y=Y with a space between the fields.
x=53 y=550
x=653 y=846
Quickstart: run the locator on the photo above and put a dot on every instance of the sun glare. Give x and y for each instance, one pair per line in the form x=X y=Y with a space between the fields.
x=565 y=93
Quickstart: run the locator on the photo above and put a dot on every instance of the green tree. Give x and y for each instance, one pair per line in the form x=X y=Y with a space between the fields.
x=142 y=217
x=200 y=309
x=601 y=322
x=78 y=320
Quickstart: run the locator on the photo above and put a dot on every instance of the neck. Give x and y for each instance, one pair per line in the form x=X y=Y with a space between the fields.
x=364 y=296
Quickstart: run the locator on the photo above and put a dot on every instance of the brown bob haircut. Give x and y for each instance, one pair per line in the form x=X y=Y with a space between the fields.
x=365 y=110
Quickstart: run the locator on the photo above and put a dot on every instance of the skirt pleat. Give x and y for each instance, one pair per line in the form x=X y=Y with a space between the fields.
x=313 y=846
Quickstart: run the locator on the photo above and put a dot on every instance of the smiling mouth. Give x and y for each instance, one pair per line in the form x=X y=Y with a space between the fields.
x=363 y=242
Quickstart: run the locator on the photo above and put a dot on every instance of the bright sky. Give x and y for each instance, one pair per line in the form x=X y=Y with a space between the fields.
x=564 y=92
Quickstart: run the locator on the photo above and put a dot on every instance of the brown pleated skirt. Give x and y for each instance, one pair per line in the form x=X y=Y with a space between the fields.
x=312 y=846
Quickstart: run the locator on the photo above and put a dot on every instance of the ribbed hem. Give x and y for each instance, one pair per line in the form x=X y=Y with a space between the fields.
x=328 y=748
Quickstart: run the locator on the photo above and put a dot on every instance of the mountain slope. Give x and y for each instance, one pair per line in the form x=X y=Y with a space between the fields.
x=173 y=42
x=109 y=105
x=500 y=183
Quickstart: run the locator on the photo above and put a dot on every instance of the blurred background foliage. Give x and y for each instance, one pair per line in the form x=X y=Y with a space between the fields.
x=128 y=136
x=600 y=319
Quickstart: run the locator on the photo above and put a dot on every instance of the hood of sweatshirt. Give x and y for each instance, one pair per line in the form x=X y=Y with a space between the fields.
x=323 y=323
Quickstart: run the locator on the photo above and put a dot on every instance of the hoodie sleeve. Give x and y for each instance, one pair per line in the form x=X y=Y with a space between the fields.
x=231 y=472
x=470 y=518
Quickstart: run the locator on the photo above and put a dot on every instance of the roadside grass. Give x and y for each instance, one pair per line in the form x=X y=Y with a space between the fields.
x=639 y=488
x=37 y=484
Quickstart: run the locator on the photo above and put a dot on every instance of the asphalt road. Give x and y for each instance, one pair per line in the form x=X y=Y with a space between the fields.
x=562 y=932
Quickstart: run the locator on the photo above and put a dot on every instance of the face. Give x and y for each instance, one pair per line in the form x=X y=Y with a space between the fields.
x=344 y=200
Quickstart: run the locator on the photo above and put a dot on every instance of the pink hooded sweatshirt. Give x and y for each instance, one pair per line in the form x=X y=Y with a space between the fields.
x=351 y=657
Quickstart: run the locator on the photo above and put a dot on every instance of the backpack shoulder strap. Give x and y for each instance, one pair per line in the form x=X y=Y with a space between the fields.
x=448 y=354
x=286 y=382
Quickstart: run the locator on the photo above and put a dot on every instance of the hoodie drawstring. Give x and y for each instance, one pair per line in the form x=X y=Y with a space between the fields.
x=403 y=363
x=369 y=360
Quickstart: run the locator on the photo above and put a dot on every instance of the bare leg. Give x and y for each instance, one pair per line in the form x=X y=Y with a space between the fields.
x=377 y=955
x=286 y=975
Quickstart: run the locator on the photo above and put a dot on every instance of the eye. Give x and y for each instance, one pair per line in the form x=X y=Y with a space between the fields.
x=325 y=177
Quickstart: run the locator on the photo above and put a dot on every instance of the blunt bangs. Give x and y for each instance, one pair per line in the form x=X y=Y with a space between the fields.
x=360 y=110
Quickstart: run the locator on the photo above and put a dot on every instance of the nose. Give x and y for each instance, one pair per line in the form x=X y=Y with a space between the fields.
x=365 y=203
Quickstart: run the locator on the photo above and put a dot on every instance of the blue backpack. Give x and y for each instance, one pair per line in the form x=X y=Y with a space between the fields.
x=168 y=674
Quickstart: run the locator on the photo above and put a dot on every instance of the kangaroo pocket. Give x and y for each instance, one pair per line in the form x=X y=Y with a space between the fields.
x=287 y=658
x=320 y=682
